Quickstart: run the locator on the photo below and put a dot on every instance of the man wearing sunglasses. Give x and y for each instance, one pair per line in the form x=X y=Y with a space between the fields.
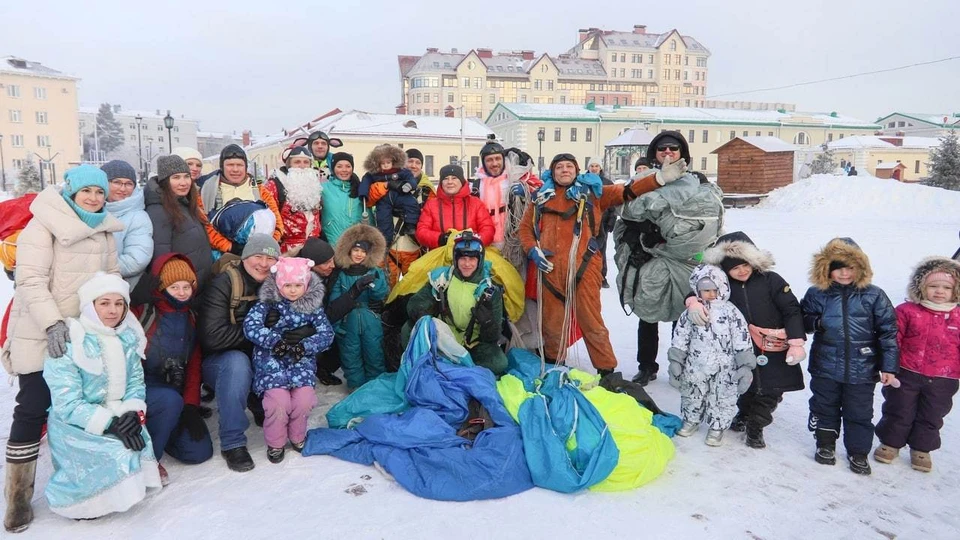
x=657 y=241
x=559 y=233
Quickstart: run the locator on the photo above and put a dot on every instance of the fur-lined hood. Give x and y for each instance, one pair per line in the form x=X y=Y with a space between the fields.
x=738 y=245
x=927 y=267
x=849 y=253
x=396 y=154
x=310 y=302
x=356 y=233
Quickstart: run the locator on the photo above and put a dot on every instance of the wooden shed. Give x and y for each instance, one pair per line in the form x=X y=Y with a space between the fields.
x=754 y=165
x=892 y=169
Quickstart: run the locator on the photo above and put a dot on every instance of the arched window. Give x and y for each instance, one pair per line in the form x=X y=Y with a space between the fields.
x=673 y=44
x=801 y=138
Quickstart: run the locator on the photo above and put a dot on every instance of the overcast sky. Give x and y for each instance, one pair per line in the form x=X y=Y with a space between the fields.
x=267 y=65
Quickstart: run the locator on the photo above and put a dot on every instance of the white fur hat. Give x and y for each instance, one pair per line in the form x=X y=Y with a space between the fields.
x=187 y=153
x=100 y=284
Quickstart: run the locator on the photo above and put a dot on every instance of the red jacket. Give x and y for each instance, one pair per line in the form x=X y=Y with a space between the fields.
x=460 y=211
x=929 y=340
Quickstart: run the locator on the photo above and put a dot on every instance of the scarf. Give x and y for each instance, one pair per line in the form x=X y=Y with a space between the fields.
x=942 y=308
x=491 y=193
x=91 y=219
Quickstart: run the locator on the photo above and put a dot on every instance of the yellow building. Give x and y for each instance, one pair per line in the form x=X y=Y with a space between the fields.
x=605 y=67
x=38 y=118
x=439 y=139
x=866 y=152
x=583 y=130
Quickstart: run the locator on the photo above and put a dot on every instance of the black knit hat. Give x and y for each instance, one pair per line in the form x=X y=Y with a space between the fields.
x=413 y=153
x=642 y=160
x=452 y=170
x=232 y=151
x=362 y=244
x=317 y=250
x=341 y=156
x=168 y=166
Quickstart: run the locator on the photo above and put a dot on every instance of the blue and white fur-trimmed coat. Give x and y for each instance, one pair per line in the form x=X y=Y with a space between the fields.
x=95 y=381
x=271 y=372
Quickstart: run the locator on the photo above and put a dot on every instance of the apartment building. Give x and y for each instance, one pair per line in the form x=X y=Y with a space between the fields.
x=154 y=139
x=38 y=118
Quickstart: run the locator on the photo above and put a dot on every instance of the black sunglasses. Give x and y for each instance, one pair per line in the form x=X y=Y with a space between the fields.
x=670 y=147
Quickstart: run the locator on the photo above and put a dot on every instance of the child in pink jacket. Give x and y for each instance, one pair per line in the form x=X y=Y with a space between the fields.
x=929 y=340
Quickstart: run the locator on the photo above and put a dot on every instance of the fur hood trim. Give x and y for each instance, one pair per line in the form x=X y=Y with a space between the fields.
x=354 y=234
x=760 y=259
x=846 y=251
x=310 y=302
x=372 y=163
x=925 y=268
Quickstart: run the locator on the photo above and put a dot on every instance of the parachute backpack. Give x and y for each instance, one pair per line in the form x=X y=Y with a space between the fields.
x=14 y=216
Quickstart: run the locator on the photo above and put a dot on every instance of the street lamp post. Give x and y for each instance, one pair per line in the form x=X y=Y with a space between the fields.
x=140 y=148
x=168 y=122
x=48 y=164
x=3 y=167
x=541 y=134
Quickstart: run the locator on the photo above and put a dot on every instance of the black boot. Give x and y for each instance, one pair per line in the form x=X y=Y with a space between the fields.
x=859 y=464
x=327 y=379
x=275 y=455
x=255 y=404
x=238 y=459
x=644 y=377
x=18 y=491
x=755 y=437
x=739 y=423
x=604 y=372
x=605 y=284
x=826 y=447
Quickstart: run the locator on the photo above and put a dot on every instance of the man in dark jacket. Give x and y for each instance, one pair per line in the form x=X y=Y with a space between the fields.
x=607 y=222
x=226 y=363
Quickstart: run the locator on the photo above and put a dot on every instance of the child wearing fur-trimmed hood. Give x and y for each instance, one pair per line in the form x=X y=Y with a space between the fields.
x=929 y=339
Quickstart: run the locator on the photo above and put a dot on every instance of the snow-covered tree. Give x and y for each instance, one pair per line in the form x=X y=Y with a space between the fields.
x=824 y=163
x=109 y=129
x=944 y=163
x=28 y=180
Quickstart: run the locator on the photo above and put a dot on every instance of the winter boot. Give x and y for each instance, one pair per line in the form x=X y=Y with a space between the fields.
x=920 y=461
x=238 y=459
x=644 y=377
x=739 y=423
x=604 y=372
x=605 y=284
x=298 y=446
x=328 y=379
x=275 y=455
x=859 y=464
x=885 y=454
x=714 y=437
x=17 y=492
x=755 y=437
x=826 y=447
x=688 y=428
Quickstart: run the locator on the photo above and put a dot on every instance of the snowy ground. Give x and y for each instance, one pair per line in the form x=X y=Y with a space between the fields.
x=727 y=492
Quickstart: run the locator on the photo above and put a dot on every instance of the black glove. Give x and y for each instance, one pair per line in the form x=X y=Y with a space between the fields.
x=191 y=420
x=375 y=306
x=298 y=352
x=483 y=311
x=442 y=240
x=292 y=337
x=281 y=349
x=174 y=373
x=142 y=293
x=361 y=284
x=237 y=249
x=128 y=431
x=272 y=318
x=205 y=412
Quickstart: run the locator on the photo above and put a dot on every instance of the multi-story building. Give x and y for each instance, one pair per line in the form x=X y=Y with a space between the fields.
x=210 y=143
x=38 y=119
x=154 y=140
x=918 y=124
x=584 y=130
x=604 y=67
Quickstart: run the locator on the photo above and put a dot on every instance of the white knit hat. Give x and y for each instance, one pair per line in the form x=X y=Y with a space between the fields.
x=100 y=284
x=187 y=153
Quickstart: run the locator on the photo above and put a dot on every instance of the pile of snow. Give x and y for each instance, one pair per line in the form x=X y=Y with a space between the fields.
x=865 y=196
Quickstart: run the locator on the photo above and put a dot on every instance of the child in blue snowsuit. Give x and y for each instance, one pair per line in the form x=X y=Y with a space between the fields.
x=285 y=362
x=358 y=256
x=386 y=164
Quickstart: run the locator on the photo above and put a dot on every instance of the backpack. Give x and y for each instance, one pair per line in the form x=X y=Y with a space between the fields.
x=14 y=216
x=229 y=264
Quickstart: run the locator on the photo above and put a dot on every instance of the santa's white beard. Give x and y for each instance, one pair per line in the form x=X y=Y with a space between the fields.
x=303 y=189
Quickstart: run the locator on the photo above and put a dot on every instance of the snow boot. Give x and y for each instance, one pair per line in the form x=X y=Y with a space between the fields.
x=604 y=372
x=920 y=461
x=859 y=464
x=644 y=377
x=739 y=424
x=275 y=455
x=688 y=428
x=714 y=437
x=826 y=447
x=328 y=379
x=885 y=454
x=605 y=284
x=755 y=437
x=298 y=446
x=238 y=459
x=17 y=492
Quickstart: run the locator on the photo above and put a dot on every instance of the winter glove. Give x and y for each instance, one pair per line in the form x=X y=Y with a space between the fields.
x=142 y=293
x=375 y=306
x=298 y=352
x=272 y=318
x=191 y=420
x=744 y=379
x=127 y=429
x=519 y=190
x=671 y=171
x=400 y=186
x=292 y=337
x=483 y=311
x=796 y=352
x=237 y=249
x=173 y=373
x=539 y=257
x=205 y=412
x=697 y=311
x=677 y=357
x=365 y=282
x=442 y=240
x=57 y=337
x=745 y=359
x=281 y=349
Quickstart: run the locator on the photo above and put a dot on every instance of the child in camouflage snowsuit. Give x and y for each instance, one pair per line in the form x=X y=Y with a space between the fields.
x=711 y=365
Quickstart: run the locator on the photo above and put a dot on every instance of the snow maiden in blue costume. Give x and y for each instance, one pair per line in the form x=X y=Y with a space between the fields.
x=102 y=456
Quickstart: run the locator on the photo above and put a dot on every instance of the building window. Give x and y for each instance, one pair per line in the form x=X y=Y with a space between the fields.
x=623 y=57
x=573 y=134
x=673 y=44
x=703 y=164
x=653 y=102
x=133 y=137
x=686 y=75
x=15 y=116
x=613 y=57
x=449 y=98
x=733 y=134
x=428 y=166
x=688 y=103
x=13 y=90
x=16 y=141
x=493 y=99
x=649 y=58
x=901 y=123
x=649 y=73
x=667 y=60
x=466 y=82
x=841 y=135
x=623 y=72
x=563 y=99
x=892 y=125
x=176 y=139
x=829 y=137
x=160 y=128
x=160 y=138
x=801 y=138
x=603 y=100
x=691 y=137
x=770 y=134
x=537 y=84
x=523 y=98
x=436 y=99
x=43 y=141
x=746 y=133
x=39 y=92
x=478 y=82
x=549 y=85
x=17 y=164
x=41 y=117
x=676 y=74
x=556 y=135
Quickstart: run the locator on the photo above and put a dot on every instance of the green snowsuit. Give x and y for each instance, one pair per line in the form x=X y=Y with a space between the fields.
x=360 y=333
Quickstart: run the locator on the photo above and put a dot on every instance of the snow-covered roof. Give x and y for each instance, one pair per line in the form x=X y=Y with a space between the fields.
x=686 y=115
x=942 y=120
x=15 y=64
x=889 y=165
x=880 y=142
x=648 y=41
x=579 y=68
x=217 y=135
x=133 y=113
x=354 y=123
x=632 y=137
x=769 y=144
x=507 y=65
x=434 y=61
